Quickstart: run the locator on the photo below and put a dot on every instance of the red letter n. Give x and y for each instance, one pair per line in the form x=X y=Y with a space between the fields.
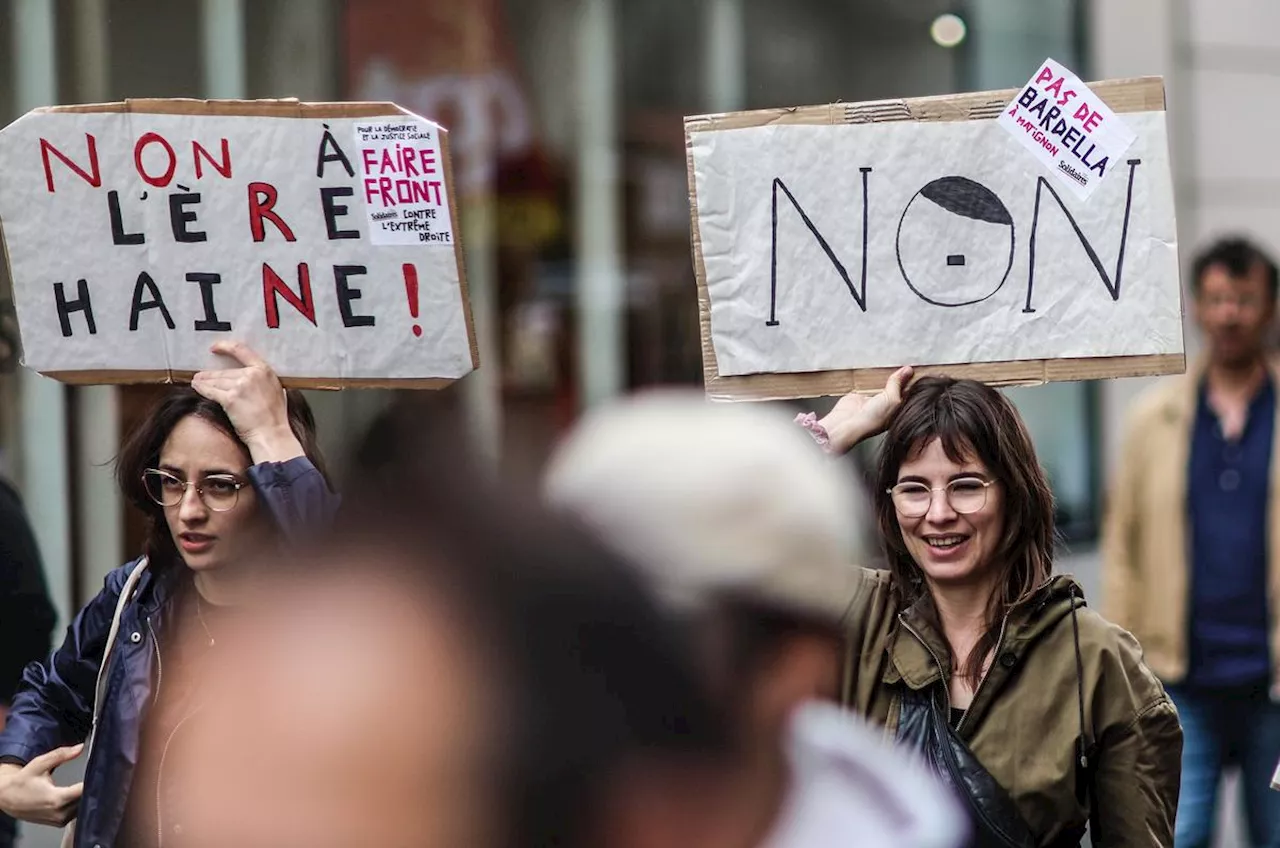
x=198 y=150
x=94 y=178
x=262 y=200
x=273 y=286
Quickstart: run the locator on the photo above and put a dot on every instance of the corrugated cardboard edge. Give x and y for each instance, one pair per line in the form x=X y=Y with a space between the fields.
x=283 y=108
x=1143 y=94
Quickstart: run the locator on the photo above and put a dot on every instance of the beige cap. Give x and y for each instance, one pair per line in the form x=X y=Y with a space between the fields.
x=714 y=498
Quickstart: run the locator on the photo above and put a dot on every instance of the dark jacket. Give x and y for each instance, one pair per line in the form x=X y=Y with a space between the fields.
x=54 y=705
x=27 y=616
x=1024 y=722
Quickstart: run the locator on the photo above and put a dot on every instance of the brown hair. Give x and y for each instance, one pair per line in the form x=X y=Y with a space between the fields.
x=973 y=421
x=142 y=451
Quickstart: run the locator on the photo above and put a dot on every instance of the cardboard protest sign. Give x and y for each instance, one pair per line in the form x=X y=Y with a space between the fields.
x=835 y=243
x=323 y=235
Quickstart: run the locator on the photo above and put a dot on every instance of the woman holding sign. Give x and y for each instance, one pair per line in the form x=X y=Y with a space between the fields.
x=223 y=470
x=1041 y=713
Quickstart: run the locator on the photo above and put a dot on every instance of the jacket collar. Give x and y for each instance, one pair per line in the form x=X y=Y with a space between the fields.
x=156 y=588
x=1180 y=403
x=919 y=654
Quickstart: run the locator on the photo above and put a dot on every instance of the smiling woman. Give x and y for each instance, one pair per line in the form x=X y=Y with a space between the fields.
x=969 y=649
x=221 y=470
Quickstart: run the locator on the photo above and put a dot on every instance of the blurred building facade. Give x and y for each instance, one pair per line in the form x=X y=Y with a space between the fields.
x=566 y=120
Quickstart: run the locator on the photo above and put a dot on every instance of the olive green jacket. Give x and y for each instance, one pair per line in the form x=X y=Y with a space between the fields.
x=1024 y=722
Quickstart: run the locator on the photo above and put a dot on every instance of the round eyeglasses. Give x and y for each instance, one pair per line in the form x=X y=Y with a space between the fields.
x=966 y=495
x=219 y=492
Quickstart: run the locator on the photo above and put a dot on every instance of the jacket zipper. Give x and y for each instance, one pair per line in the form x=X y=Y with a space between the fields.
x=947 y=752
x=994 y=653
x=978 y=810
x=947 y=688
x=155 y=643
x=164 y=753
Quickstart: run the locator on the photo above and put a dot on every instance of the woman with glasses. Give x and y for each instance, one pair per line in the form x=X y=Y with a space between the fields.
x=223 y=470
x=1041 y=714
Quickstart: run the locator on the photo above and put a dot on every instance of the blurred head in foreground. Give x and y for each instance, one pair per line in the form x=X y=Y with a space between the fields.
x=450 y=671
x=743 y=525
x=737 y=521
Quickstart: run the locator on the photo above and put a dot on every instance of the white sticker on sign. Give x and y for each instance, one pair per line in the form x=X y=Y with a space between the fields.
x=402 y=180
x=1068 y=128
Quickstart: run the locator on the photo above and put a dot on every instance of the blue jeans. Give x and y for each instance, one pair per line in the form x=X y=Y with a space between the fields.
x=1220 y=728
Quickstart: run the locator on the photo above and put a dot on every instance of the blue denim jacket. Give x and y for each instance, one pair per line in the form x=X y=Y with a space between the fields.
x=54 y=703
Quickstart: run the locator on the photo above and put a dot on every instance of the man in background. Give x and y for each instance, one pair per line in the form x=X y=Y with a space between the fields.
x=1191 y=556
x=27 y=616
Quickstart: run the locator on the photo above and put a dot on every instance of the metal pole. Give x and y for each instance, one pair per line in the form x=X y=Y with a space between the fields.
x=599 y=283
x=43 y=465
x=222 y=30
x=726 y=68
x=483 y=387
x=97 y=425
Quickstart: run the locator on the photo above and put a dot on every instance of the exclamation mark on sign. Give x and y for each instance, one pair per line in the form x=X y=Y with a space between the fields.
x=411 y=289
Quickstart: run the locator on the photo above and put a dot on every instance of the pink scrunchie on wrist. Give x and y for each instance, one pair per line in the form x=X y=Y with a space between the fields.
x=809 y=421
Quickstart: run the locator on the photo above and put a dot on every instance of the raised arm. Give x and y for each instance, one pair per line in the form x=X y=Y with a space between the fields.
x=293 y=489
x=857 y=417
x=254 y=400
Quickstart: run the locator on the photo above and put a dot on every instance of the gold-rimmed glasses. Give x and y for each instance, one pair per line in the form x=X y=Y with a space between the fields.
x=219 y=492
x=966 y=495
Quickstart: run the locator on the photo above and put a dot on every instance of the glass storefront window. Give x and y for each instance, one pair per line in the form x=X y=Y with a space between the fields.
x=505 y=75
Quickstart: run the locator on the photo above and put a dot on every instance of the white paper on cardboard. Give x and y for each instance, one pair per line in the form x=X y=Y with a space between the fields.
x=1068 y=128
x=137 y=240
x=876 y=245
x=402 y=180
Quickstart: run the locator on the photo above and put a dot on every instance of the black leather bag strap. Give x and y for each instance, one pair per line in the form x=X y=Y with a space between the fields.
x=995 y=818
x=1086 y=750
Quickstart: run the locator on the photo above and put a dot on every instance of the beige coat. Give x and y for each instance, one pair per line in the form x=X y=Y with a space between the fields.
x=1144 y=539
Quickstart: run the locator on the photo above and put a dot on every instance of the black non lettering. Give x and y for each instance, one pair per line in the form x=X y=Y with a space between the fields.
x=328 y=141
x=333 y=211
x=147 y=285
x=210 y=320
x=80 y=304
x=118 y=235
x=859 y=292
x=180 y=217
x=346 y=294
x=1112 y=283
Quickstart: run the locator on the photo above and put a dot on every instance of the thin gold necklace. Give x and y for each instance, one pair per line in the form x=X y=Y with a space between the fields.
x=200 y=615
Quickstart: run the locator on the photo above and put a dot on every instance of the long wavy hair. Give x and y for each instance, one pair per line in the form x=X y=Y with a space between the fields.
x=142 y=451
x=972 y=421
